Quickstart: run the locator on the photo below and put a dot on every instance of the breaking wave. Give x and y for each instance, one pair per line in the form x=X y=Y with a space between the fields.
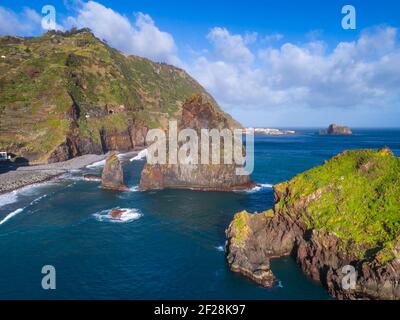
x=27 y=191
x=97 y=164
x=258 y=187
x=8 y=198
x=12 y=214
x=140 y=156
x=134 y=189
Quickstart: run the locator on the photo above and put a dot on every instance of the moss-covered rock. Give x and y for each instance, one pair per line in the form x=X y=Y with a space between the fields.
x=344 y=212
x=355 y=195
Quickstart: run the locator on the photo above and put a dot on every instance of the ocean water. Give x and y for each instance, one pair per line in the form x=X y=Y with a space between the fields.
x=170 y=244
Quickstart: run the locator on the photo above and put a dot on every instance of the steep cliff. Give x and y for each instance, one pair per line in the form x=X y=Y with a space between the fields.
x=68 y=94
x=346 y=212
x=198 y=112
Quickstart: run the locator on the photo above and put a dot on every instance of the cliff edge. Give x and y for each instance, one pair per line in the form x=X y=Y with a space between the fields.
x=343 y=213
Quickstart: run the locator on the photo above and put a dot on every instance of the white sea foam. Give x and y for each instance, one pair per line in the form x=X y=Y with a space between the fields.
x=97 y=164
x=101 y=163
x=38 y=199
x=258 y=187
x=128 y=216
x=8 y=198
x=220 y=248
x=140 y=156
x=30 y=190
x=134 y=189
x=71 y=176
x=12 y=214
x=261 y=187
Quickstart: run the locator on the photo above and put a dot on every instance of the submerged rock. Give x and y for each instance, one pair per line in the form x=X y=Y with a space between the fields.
x=113 y=175
x=344 y=213
x=117 y=213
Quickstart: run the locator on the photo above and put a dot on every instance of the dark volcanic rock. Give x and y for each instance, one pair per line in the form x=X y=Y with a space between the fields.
x=117 y=213
x=198 y=113
x=195 y=177
x=113 y=176
x=254 y=239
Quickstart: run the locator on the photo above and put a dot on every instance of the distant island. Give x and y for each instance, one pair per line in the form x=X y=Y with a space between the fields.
x=269 y=131
x=335 y=129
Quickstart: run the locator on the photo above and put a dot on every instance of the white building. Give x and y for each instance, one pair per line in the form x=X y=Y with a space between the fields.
x=4 y=156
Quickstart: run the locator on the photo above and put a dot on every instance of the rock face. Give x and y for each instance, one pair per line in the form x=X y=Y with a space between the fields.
x=328 y=225
x=195 y=177
x=334 y=129
x=198 y=113
x=66 y=94
x=113 y=176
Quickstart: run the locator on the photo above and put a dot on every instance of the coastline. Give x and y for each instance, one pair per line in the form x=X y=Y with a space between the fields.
x=29 y=175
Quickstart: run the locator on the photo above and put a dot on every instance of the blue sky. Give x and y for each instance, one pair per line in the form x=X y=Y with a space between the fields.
x=268 y=63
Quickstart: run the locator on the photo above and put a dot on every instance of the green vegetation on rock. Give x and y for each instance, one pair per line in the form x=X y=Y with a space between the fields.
x=240 y=225
x=355 y=195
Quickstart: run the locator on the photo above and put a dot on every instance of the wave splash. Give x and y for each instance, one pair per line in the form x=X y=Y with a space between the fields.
x=261 y=186
x=128 y=215
x=27 y=191
x=8 y=198
x=140 y=156
x=257 y=188
x=12 y=214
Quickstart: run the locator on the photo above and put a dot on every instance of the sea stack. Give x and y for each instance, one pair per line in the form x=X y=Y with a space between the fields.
x=113 y=176
x=335 y=129
x=198 y=112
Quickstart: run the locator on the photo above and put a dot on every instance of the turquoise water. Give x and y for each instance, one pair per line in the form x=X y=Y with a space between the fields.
x=171 y=244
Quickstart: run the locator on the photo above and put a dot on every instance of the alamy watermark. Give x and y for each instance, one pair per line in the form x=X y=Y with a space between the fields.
x=206 y=146
x=349 y=279
x=49 y=18
x=349 y=20
x=49 y=280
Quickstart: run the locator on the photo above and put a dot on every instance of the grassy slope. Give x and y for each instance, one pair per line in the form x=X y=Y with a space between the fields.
x=41 y=77
x=360 y=201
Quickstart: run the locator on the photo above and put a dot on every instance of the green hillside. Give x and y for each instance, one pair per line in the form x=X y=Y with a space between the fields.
x=60 y=83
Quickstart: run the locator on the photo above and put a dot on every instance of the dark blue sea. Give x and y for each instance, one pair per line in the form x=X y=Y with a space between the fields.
x=169 y=246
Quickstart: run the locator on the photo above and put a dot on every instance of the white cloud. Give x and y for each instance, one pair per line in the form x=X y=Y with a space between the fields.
x=273 y=37
x=141 y=38
x=232 y=48
x=362 y=73
x=253 y=71
x=25 y=23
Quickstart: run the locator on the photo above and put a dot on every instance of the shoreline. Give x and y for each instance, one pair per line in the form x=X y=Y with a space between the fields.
x=30 y=175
